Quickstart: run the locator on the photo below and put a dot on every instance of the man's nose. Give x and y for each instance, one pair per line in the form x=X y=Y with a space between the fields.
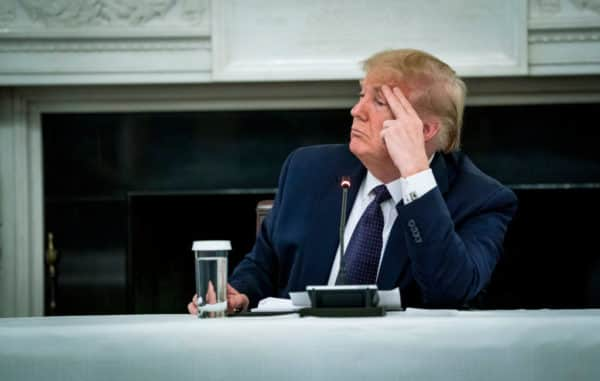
x=357 y=111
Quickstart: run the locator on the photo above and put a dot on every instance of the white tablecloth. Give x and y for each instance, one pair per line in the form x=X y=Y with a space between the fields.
x=411 y=345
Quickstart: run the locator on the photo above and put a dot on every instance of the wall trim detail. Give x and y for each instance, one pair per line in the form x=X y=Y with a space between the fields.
x=108 y=45
x=23 y=212
x=564 y=36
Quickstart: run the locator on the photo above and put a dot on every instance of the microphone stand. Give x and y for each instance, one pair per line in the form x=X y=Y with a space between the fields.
x=345 y=184
x=343 y=300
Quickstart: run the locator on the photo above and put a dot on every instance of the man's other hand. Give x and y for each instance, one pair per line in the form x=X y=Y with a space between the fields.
x=236 y=302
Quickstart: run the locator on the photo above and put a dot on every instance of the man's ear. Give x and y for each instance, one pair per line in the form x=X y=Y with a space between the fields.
x=431 y=127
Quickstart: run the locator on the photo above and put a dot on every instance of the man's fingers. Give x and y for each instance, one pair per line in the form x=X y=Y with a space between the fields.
x=233 y=304
x=237 y=302
x=193 y=305
x=211 y=295
x=231 y=290
x=388 y=123
x=398 y=102
x=407 y=106
x=395 y=105
x=192 y=309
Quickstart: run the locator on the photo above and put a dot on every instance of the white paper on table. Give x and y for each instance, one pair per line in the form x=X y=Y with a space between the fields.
x=389 y=298
x=276 y=305
x=299 y=300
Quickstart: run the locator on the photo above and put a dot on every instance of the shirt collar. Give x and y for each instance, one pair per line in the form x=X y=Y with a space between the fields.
x=394 y=187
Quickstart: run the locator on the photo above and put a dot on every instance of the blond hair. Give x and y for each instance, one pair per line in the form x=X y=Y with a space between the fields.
x=435 y=90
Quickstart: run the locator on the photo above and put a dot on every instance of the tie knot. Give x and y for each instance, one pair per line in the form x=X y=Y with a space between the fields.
x=381 y=193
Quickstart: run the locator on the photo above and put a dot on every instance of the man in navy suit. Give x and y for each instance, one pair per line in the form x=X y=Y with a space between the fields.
x=443 y=222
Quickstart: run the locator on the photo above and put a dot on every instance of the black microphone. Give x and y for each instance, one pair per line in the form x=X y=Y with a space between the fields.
x=343 y=300
x=345 y=184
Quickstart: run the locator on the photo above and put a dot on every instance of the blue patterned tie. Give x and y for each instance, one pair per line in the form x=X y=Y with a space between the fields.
x=361 y=259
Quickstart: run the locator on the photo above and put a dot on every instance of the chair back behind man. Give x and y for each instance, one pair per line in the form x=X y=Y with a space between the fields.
x=262 y=210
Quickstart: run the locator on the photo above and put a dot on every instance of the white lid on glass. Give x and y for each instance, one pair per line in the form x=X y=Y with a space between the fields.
x=211 y=245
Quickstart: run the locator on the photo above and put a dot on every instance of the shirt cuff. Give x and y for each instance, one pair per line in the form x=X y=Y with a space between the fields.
x=417 y=185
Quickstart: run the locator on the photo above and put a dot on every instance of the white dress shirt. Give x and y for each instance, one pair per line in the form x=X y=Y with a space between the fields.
x=402 y=190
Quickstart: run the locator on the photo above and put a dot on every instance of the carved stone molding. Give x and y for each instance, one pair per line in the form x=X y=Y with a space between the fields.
x=8 y=11
x=77 y=13
x=593 y=5
x=104 y=41
x=548 y=6
x=564 y=14
x=553 y=7
x=74 y=14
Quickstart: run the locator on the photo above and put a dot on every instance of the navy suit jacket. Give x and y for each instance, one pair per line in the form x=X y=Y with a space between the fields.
x=442 y=247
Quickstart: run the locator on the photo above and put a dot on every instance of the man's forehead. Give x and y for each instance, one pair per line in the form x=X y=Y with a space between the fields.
x=380 y=78
x=372 y=85
x=377 y=85
x=375 y=82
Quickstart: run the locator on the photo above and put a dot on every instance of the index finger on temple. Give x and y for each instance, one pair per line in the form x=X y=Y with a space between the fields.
x=407 y=106
x=395 y=104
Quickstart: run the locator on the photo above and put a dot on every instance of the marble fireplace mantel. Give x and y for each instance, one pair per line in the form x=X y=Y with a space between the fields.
x=186 y=55
x=201 y=41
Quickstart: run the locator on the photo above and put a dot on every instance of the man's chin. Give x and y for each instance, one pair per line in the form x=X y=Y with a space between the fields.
x=354 y=146
x=366 y=153
x=357 y=147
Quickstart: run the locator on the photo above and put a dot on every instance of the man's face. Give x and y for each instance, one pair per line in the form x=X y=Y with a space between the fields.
x=368 y=115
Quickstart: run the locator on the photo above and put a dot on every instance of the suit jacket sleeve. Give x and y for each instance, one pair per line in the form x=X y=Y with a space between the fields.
x=453 y=256
x=256 y=274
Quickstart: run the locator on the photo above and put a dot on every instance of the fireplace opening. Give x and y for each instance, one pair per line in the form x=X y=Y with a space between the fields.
x=125 y=194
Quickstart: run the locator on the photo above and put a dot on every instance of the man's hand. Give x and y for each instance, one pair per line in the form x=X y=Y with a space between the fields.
x=193 y=305
x=236 y=302
x=403 y=135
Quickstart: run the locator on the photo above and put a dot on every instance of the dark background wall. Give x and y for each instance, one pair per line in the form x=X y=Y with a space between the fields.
x=126 y=194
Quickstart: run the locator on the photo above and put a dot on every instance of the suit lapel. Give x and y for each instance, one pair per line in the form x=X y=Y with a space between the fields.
x=441 y=172
x=321 y=249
